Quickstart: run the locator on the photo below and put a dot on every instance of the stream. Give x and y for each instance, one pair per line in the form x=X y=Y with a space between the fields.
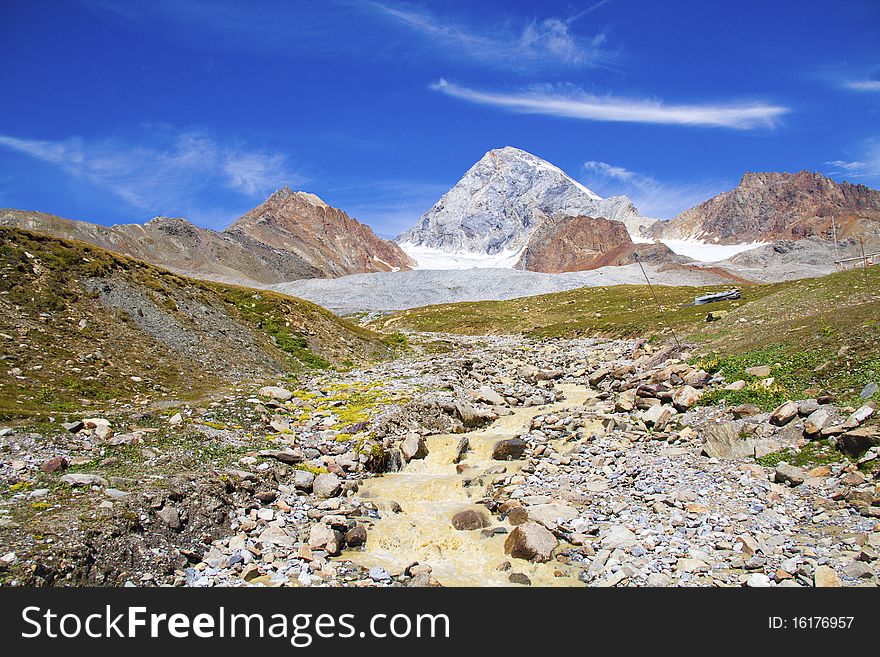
x=430 y=491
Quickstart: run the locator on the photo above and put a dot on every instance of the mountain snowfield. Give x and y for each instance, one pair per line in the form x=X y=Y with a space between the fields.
x=487 y=218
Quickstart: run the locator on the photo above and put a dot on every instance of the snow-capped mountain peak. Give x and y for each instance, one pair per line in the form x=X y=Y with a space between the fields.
x=501 y=200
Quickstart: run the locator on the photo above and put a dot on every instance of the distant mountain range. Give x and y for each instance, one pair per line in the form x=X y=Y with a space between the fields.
x=765 y=207
x=289 y=236
x=509 y=209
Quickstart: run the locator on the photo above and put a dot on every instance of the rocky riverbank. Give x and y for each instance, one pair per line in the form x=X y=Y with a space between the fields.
x=509 y=461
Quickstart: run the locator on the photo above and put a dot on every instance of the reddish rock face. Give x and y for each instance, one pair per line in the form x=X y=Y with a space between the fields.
x=581 y=243
x=774 y=206
x=325 y=236
x=291 y=235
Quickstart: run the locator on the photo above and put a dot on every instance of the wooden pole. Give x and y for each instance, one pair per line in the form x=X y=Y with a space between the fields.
x=864 y=258
x=836 y=250
x=657 y=302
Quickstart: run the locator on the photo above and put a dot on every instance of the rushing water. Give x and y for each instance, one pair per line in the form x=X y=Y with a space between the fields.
x=430 y=491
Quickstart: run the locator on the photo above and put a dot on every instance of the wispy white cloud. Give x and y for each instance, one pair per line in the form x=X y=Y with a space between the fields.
x=862 y=85
x=865 y=169
x=163 y=172
x=571 y=102
x=652 y=197
x=532 y=44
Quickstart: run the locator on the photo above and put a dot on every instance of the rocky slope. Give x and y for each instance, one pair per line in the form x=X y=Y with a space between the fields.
x=574 y=462
x=292 y=235
x=302 y=224
x=774 y=206
x=78 y=322
x=565 y=244
x=502 y=199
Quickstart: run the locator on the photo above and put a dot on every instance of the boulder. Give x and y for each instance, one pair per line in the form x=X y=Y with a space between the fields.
x=509 y=449
x=326 y=485
x=55 y=464
x=745 y=410
x=83 y=480
x=826 y=577
x=303 y=480
x=685 y=397
x=288 y=456
x=170 y=516
x=784 y=413
x=598 y=376
x=759 y=371
x=356 y=536
x=618 y=536
x=276 y=392
x=861 y=414
x=789 y=474
x=463 y=446
x=469 y=416
x=859 y=440
x=816 y=421
x=470 y=519
x=550 y=515
x=657 y=416
x=626 y=401
x=100 y=426
x=807 y=407
x=530 y=541
x=486 y=394
x=413 y=447
x=724 y=441
x=324 y=537
x=274 y=535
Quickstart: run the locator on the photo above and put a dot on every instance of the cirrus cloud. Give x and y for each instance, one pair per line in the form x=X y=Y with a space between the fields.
x=164 y=170
x=574 y=103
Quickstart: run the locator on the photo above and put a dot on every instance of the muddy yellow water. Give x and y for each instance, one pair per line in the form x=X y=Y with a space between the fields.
x=430 y=491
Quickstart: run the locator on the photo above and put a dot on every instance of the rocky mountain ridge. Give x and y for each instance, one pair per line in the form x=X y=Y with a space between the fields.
x=291 y=235
x=771 y=206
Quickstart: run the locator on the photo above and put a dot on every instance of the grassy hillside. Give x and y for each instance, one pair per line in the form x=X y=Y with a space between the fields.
x=821 y=332
x=80 y=325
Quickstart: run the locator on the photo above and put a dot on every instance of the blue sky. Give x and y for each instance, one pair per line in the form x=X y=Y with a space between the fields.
x=120 y=111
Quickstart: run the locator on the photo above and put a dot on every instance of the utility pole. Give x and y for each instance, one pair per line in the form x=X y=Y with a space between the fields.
x=656 y=301
x=864 y=259
x=836 y=250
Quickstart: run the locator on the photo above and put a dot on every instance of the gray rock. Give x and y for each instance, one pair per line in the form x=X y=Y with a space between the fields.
x=724 y=441
x=326 y=485
x=816 y=421
x=303 y=480
x=789 y=474
x=860 y=415
x=784 y=413
x=83 y=480
x=170 y=516
x=618 y=536
x=413 y=447
x=486 y=394
x=276 y=392
x=869 y=390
